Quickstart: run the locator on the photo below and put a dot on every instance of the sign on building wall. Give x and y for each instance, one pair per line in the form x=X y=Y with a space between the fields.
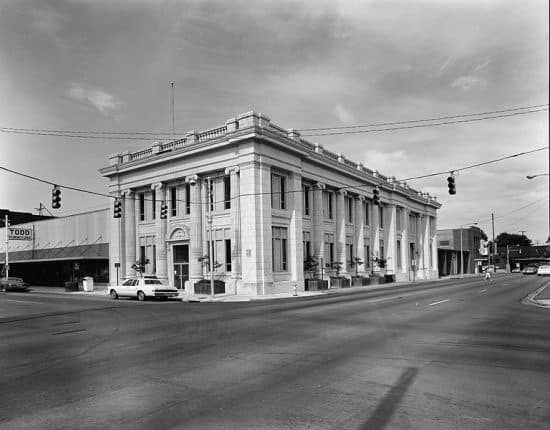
x=483 y=247
x=16 y=233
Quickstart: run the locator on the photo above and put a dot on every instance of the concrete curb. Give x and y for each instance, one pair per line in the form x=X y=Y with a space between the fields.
x=531 y=298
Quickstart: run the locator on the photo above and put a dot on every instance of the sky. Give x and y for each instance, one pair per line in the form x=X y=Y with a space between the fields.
x=108 y=66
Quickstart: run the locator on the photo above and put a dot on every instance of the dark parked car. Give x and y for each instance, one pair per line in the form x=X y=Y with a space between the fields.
x=530 y=270
x=13 y=284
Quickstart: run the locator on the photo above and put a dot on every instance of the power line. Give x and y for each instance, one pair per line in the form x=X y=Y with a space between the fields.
x=129 y=135
x=289 y=191
x=379 y=124
x=425 y=125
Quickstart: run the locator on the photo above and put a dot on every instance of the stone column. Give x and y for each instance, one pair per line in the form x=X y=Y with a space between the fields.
x=435 y=265
x=256 y=237
x=295 y=231
x=360 y=235
x=419 y=246
x=390 y=237
x=426 y=244
x=236 y=274
x=317 y=226
x=405 y=241
x=195 y=231
x=160 y=232
x=129 y=231
x=375 y=235
x=341 y=231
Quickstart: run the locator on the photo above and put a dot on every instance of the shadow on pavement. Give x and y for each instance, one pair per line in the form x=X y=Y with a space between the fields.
x=386 y=408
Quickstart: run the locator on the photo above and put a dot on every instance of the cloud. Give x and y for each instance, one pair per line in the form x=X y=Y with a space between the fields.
x=344 y=115
x=387 y=163
x=101 y=100
x=467 y=82
x=47 y=21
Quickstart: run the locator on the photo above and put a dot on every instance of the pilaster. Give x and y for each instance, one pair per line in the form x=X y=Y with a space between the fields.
x=160 y=232
x=341 y=231
x=129 y=231
x=295 y=235
x=360 y=235
x=236 y=273
x=317 y=225
x=195 y=233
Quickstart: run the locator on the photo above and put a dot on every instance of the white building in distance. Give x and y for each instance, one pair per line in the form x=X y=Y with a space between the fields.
x=275 y=199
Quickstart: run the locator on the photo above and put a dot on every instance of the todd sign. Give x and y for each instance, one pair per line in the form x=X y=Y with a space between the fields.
x=20 y=233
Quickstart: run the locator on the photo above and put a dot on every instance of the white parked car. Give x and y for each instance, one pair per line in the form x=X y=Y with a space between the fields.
x=544 y=270
x=142 y=287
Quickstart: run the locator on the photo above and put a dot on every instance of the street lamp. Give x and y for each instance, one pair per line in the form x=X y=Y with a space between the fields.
x=536 y=176
x=461 y=252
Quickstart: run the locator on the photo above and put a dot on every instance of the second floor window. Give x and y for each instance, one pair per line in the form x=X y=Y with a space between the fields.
x=154 y=203
x=328 y=211
x=278 y=190
x=141 y=206
x=173 y=201
x=188 y=199
x=366 y=211
x=349 y=210
x=227 y=192
x=305 y=190
x=381 y=216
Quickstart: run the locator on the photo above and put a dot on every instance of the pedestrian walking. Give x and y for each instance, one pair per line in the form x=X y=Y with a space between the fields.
x=487 y=274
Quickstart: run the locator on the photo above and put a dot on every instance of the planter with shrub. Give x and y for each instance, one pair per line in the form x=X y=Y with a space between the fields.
x=203 y=287
x=359 y=281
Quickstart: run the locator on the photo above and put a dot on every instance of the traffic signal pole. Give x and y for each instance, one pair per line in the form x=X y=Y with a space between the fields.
x=6 y=265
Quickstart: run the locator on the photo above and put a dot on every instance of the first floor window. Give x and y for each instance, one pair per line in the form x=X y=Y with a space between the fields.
x=349 y=253
x=307 y=245
x=228 y=255
x=329 y=249
x=279 y=249
x=367 y=256
x=221 y=255
x=399 y=255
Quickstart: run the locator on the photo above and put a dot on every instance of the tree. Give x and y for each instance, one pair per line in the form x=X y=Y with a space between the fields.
x=504 y=239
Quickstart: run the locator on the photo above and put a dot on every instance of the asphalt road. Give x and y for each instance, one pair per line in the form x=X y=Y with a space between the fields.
x=462 y=354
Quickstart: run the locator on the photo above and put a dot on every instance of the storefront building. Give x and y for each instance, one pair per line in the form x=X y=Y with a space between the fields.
x=268 y=200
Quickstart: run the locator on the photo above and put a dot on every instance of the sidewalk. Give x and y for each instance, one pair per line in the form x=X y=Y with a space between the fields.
x=101 y=291
x=542 y=298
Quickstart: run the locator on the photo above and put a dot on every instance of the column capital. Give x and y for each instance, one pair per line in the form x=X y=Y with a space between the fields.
x=342 y=192
x=232 y=170
x=192 y=179
x=157 y=186
x=127 y=193
x=360 y=198
x=320 y=186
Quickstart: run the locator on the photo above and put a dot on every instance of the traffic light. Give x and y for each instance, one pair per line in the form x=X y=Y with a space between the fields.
x=163 y=210
x=376 y=196
x=117 y=210
x=451 y=184
x=56 y=197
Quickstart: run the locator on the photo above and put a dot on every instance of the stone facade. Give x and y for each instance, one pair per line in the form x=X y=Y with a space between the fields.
x=268 y=199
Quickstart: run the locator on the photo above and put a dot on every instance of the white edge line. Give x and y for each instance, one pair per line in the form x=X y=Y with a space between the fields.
x=436 y=303
x=482 y=291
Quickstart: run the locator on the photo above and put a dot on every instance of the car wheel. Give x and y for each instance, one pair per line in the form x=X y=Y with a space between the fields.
x=141 y=296
x=113 y=295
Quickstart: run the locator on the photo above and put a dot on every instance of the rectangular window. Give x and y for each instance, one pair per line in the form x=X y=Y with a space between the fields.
x=154 y=262
x=349 y=253
x=305 y=190
x=349 y=210
x=367 y=256
x=227 y=192
x=307 y=244
x=399 y=255
x=327 y=205
x=329 y=249
x=142 y=254
x=278 y=196
x=210 y=191
x=188 y=199
x=174 y=201
x=154 y=204
x=412 y=224
x=228 y=255
x=366 y=210
x=141 y=206
x=398 y=219
x=279 y=249
x=381 y=216
x=382 y=250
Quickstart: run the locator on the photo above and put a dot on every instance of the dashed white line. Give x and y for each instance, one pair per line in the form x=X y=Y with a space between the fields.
x=441 y=301
x=24 y=301
x=482 y=291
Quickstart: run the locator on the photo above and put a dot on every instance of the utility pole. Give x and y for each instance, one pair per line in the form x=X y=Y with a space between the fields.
x=494 y=243
x=7 y=265
x=523 y=232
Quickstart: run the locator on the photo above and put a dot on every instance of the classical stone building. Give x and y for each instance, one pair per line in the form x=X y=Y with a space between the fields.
x=269 y=199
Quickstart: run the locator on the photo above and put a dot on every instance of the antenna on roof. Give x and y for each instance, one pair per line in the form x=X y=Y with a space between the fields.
x=173 y=127
x=41 y=208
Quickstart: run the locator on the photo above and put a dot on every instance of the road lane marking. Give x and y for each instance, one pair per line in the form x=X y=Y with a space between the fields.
x=25 y=301
x=436 y=303
x=482 y=291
